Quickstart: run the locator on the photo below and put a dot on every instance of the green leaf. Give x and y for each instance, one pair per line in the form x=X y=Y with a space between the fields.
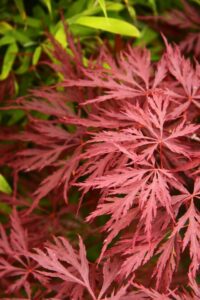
x=60 y=35
x=36 y=55
x=94 y=10
x=20 y=7
x=15 y=116
x=4 y=186
x=152 y=3
x=81 y=31
x=196 y=1
x=5 y=208
x=75 y=8
x=8 y=60
x=5 y=27
x=48 y=5
x=111 y=6
x=16 y=88
x=131 y=10
x=25 y=63
x=146 y=37
x=103 y=7
x=21 y=37
x=7 y=39
x=109 y=24
x=32 y=22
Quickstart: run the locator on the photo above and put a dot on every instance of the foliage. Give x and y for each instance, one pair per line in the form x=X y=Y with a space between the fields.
x=99 y=179
x=22 y=29
x=187 y=25
x=24 y=45
x=125 y=131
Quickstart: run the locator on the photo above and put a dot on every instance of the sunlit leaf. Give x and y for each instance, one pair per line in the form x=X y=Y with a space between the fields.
x=196 y=1
x=109 y=24
x=60 y=35
x=131 y=11
x=4 y=186
x=114 y=6
x=36 y=55
x=8 y=60
x=5 y=27
x=48 y=5
x=102 y=3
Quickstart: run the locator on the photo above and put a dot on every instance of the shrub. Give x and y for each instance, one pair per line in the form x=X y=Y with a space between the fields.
x=124 y=131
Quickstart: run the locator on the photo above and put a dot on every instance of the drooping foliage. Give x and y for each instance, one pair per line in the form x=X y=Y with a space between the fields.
x=181 y=25
x=124 y=132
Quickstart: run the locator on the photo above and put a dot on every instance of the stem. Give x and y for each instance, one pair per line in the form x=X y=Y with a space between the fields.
x=161 y=156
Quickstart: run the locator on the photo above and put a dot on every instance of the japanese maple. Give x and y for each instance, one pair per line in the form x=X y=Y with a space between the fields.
x=125 y=131
x=183 y=24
